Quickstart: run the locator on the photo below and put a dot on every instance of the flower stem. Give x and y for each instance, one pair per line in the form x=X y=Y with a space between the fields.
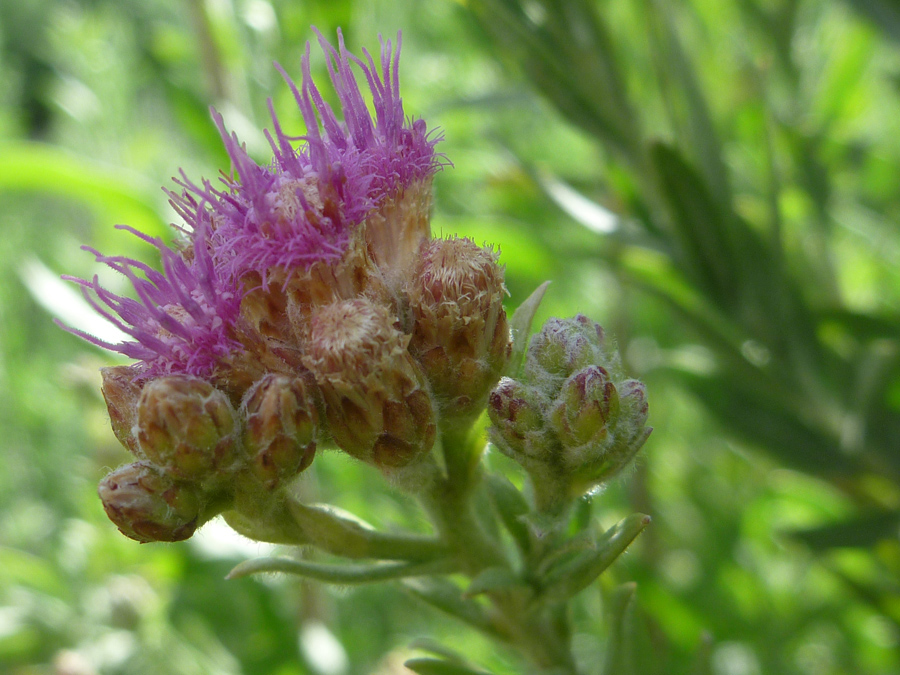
x=539 y=633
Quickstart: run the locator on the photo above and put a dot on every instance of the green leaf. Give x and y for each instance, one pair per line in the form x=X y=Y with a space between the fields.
x=22 y=568
x=512 y=508
x=446 y=596
x=687 y=105
x=428 y=666
x=341 y=574
x=863 y=531
x=576 y=574
x=520 y=326
x=342 y=533
x=704 y=245
x=545 y=38
x=765 y=419
x=493 y=579
x=884 y=14
x=619 y=659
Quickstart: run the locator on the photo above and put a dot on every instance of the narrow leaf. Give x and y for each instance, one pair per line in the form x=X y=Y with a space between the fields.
x=520 y=325
x=342 y=533
x=340 y=574
x=493 y=579
x=576 y=574
x=512 y=508
x=619 y=659
x=447 y=597
x=864 y=531
x=38 y=167
x=702 y=234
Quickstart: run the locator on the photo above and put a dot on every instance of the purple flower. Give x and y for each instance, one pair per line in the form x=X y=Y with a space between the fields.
x=305 y=205
x=264 y=222
x=183 y=320
x=399 y=151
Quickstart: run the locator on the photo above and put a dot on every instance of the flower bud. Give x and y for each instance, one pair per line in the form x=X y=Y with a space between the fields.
x=147 y=504
x=186 y=426
x=121 y=392
x=587 y=403
x=376 y=400
x=572 y=421
x=565 y=346
x=325 y=282
x=599 y=424
x=460 y=336
x=517 y=415
x=280 y=427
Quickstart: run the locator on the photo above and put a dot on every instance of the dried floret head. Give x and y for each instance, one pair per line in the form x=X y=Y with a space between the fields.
x=460 y=336
x=376 y=398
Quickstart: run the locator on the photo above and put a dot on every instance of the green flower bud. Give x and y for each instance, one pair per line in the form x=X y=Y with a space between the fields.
x=280 y=427
x=377 y=402
x=587 y=403
x=121 y=393
x=565 y=346
x=573 y=421
x=147 y=504
x=517 y=414
x=460 y=336
x=187 y=427
x=599 y=425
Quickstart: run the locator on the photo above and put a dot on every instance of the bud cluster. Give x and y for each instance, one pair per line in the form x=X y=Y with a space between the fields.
x=572 y=420
x=194 y=449
x=308 y=306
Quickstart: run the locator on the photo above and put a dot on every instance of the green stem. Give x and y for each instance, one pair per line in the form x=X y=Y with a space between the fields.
x=540 y=634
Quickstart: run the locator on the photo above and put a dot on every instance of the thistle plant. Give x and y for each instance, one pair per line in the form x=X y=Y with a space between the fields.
x=305 y=305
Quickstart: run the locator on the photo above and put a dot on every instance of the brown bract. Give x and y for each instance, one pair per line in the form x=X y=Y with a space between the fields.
x=121 y=391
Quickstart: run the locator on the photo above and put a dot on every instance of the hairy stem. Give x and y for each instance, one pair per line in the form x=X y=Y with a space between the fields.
x=539 y=633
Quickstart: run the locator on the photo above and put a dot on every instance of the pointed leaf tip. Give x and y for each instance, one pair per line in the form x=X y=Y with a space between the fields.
x=520 y=326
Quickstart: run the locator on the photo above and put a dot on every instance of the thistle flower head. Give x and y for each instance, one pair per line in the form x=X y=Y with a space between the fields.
x=285 y=266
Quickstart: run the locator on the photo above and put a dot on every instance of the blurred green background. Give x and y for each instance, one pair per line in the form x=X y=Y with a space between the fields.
x=714 y=182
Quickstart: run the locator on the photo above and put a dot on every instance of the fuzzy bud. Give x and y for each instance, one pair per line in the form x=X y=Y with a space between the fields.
x=573 y=421
x=376 y=400
x=186 y=426
x=516 y=411
x=280 y=427
x=564 y=346
x=586 y=404
x=460 y=335
x=146 y=504
x=121 y=393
